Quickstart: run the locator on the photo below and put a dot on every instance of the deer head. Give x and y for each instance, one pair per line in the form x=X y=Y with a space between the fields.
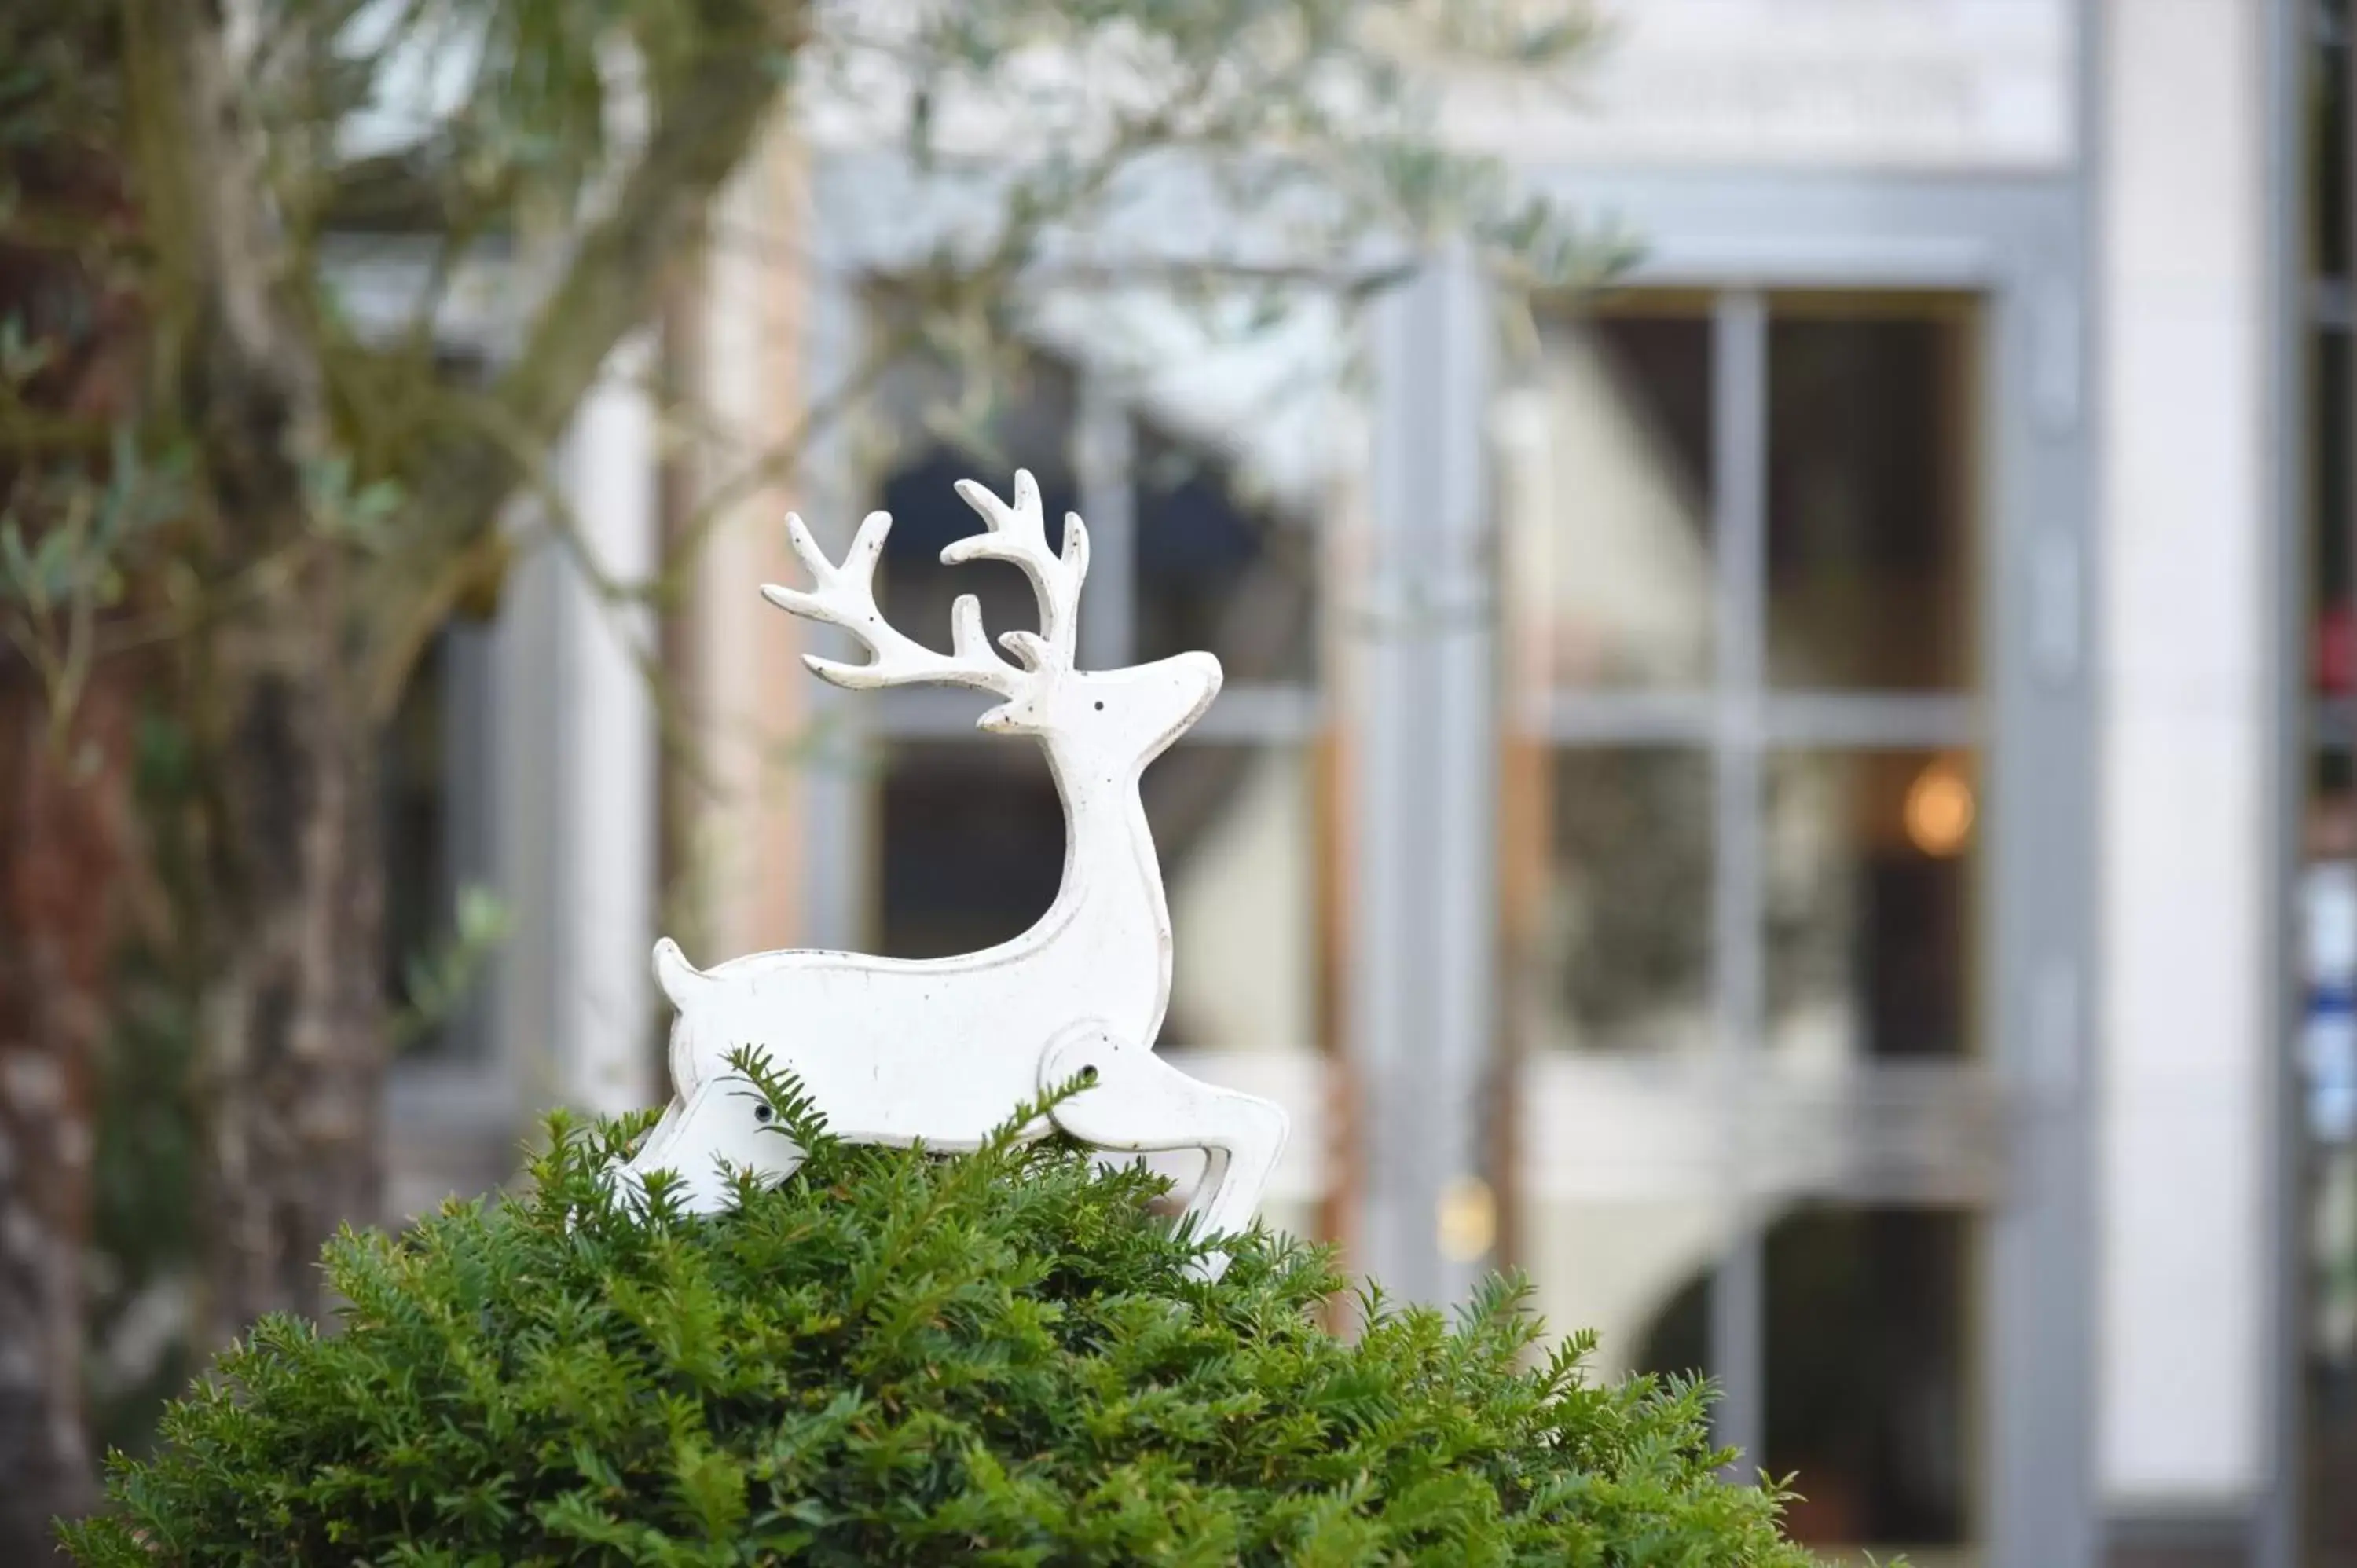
x=1133 y=712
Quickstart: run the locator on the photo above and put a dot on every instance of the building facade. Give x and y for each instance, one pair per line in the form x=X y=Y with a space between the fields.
x=1803 y=800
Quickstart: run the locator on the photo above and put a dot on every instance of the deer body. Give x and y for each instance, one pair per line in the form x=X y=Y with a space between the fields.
x=889 y=1035
x=941 y=1051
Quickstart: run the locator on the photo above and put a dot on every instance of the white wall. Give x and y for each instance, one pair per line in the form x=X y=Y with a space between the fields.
x=1915 y=85
x=577 y=771
x=607 y=785
x=2181 y=288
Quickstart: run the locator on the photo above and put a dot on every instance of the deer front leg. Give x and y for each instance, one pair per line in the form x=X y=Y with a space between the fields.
x=1137 y=1102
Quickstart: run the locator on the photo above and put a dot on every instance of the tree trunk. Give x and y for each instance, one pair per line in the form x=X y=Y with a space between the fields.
x=292 y=1014
x=292 y=1057
x=64 y=824
x=293 y=1020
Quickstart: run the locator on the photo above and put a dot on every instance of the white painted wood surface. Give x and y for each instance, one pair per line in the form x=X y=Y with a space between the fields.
x=942 y=1051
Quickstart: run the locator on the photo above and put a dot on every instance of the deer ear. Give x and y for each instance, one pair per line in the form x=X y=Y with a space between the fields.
x=679 y=978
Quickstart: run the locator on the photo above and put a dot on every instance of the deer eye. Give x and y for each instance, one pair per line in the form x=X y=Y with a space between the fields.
x=1101 y=705
x=762 y=1113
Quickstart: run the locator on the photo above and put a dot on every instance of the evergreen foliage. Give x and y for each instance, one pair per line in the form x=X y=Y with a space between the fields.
x=895 y=1358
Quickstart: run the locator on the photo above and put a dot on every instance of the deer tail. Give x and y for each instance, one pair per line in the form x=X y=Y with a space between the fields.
x=679 y=978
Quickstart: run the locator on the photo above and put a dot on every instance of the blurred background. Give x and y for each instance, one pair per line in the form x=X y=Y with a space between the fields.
x=1786 y=769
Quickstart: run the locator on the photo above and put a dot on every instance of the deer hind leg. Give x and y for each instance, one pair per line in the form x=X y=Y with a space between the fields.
x=1137 y=1102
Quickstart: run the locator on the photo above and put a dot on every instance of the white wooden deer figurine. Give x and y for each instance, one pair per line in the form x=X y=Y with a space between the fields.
x=895 y=1051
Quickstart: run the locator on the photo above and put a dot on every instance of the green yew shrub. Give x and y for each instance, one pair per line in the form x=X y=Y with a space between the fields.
x=895 y=1358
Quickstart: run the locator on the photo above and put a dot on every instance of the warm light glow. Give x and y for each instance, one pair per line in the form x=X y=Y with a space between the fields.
x=1469 y=1219
x=1939 y=810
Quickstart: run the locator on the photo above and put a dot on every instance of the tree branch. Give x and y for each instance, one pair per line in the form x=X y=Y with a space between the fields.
x=706 y=122
x=200 y=163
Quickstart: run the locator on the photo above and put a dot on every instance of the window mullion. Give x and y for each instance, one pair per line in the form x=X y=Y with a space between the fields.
x=1103 y=456
x=1739 y=437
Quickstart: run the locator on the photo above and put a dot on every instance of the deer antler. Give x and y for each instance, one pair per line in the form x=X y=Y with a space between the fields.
x=845 y=595
x=1018 y=534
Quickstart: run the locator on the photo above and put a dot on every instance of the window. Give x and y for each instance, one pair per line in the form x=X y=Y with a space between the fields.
x=417 y=882
x=1742 y=585
x=436 y=843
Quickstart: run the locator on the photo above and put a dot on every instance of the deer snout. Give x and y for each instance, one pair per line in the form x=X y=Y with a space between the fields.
x=1198 y=677
x=1204 y=667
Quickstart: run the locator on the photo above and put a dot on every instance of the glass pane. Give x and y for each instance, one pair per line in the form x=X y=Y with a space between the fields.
x=1236 y=829
x=1622 y=939
x=418 y=887
x=1676 y=1342
x=1636 y=1272
x=1867 y=1370
x=2330 y=1353
x=1221 y=570
x=1607 y=503
x=2327 y=1169
x=2334 y=668
x=1870 y=579
x=970 y=838
x=2327 y=147
x=1868 y=871
x=920 y=462
x=2326 y=1192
